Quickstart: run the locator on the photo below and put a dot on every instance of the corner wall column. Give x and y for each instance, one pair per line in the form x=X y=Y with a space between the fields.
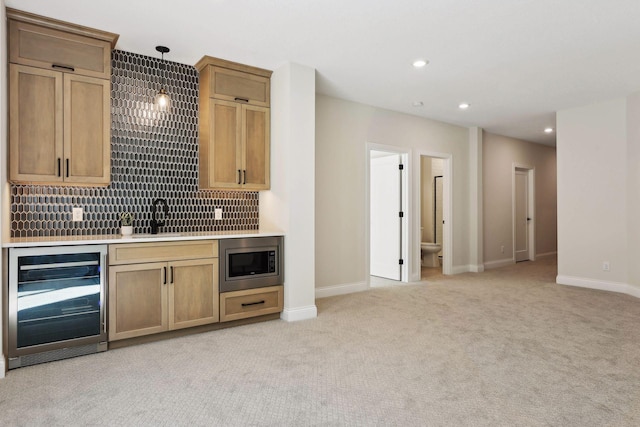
x=476 y=223
x=290 y=204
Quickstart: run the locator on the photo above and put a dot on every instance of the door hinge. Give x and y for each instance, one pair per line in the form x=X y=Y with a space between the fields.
x=401 y=214
x=401 y=166
x=401 y=261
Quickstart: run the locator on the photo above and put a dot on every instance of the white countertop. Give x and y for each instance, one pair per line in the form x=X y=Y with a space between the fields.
x=22 y=242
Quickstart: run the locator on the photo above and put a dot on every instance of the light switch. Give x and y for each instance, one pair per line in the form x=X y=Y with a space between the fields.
x=217 y=213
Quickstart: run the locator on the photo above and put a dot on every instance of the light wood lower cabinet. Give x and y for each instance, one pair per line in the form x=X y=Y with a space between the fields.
x=193 y=293
x=251 y=302
x=150 y=297
x=137 y=300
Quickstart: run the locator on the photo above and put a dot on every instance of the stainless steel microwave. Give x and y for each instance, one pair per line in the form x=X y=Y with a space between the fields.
x=251 y=262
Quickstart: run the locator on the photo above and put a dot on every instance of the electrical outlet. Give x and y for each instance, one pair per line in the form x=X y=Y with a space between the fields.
x=502 y=248
x=217 y=213
x=606 y=266
x=78 y=214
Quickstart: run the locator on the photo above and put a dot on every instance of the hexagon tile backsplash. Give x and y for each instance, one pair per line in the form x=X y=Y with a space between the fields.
x=153 y=155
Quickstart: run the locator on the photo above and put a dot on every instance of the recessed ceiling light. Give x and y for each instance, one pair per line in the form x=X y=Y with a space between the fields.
x=464 y=105
x=419 y=63
x=418 y=103
x=548 y=130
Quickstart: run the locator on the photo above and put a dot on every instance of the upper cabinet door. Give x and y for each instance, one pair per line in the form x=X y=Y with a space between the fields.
x=87 y=130
x=48 y=48
x=35 y=124
x=256 y=147
x=237 y=86
x=224 y=149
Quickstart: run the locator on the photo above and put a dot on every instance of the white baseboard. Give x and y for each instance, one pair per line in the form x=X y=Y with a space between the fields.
x=299 y=313
x=476 y=268
x=499 y=263
x=346 y=288
x=3 y=368
x=623 y=288
x=546 y=254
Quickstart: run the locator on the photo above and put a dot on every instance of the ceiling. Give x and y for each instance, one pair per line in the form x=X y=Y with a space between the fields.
x=516 y=62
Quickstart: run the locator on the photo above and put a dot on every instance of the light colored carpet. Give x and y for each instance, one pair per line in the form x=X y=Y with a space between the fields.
x=506 y=347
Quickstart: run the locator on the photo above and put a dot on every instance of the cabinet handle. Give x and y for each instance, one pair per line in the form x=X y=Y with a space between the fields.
x=59 y=166
x=64 y=67
x=245 y=177
x=171 y=268
x=242 y=99
x=239 y=180
x=247 y=304
x=67 y=168
x=165 y=276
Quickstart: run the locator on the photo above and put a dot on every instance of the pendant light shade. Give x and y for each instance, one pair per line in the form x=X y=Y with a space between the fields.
x=162 y=100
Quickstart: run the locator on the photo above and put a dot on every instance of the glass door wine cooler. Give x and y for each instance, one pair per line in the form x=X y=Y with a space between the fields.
x=56 y=303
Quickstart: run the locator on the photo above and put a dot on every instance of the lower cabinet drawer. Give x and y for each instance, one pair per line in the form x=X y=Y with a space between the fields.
x=251 y=302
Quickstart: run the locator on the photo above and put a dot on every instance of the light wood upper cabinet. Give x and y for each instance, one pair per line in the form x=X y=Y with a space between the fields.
x=49 y=48
x=59 y=127
x=87 y=120
x=59 y=102
x=234 y=125
x=239 y=86
x=35 y=123
x=256 y=129
x=239 y=158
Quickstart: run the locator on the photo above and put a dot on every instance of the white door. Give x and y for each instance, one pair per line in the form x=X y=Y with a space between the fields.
x=521 y=219
x=385 y=202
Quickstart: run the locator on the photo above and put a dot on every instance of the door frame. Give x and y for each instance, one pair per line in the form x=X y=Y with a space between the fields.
x=531 y=208
x=447 y=213
x=406 y=208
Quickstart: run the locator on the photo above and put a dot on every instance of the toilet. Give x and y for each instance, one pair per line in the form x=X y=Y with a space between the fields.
x=430 y=254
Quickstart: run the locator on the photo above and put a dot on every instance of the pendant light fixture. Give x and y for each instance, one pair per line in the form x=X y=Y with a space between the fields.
x=162 y=98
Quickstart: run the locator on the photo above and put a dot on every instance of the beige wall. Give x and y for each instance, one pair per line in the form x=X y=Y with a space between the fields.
x=343 y=130
x=598 y=197
x=633 y=188
x=499 y=155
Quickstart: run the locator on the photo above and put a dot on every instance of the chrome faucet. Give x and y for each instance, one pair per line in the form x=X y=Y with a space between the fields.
x=154 y=210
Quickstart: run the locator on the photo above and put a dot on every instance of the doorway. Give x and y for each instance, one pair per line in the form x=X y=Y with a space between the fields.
x=523 y=213
x=434 y=225
x=387 y=204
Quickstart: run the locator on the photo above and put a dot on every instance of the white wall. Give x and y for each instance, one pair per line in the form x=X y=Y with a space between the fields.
x=4 y=193
x=290 y=204
x=499 y=155
x=343 y=129
x=596 y=148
